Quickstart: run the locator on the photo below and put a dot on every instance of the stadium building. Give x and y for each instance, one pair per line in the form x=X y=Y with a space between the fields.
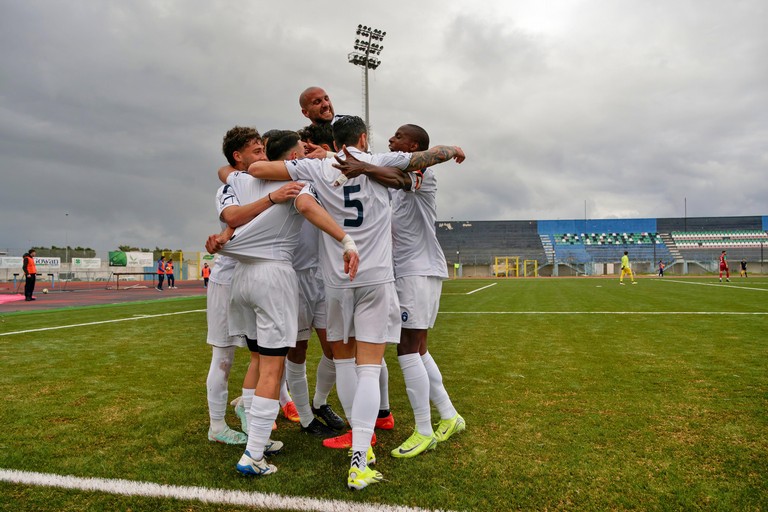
x=594 y=247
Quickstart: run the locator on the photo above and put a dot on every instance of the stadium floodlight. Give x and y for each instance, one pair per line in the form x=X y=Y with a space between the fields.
x=66 y=238
x=367 y=48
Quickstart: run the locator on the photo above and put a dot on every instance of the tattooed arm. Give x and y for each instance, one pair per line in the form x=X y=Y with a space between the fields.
x=435 y=155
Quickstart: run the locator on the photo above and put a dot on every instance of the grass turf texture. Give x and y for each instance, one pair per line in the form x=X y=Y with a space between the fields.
x=564 y=411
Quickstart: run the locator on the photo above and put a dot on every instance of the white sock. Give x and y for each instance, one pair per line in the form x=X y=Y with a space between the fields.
x=365 y=406
x=263 y=414
x=326 y=378
x=247 y=401
x=296 y=375
x=217 y=386
x=346 y=384
x=285 y=397
x=417 y=387
x=384 y=386
x=437 y=393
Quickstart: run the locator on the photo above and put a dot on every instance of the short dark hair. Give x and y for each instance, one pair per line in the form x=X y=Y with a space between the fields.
x=419 y=136
x=270 y=133
x=347 y=130
x=318 y=134
x=280 y=143
x=31 y=251
x=236 y=139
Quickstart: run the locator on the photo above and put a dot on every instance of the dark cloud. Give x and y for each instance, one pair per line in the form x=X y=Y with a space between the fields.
x=113 y=112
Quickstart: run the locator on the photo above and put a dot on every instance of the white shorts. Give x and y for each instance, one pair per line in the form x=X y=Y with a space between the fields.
x=217 y=311
x=311 y=302
x=419 y=298
x=368 y=313
x=265 y=302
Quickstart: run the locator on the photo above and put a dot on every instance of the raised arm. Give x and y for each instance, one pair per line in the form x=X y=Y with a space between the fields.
x=316 y=214
x=435 y=155
x=391 y=177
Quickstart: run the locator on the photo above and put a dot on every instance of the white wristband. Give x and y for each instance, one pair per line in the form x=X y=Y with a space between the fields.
x=349 y=244
x=340 y=180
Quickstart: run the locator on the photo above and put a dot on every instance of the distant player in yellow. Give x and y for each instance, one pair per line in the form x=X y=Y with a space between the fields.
x=626 y=269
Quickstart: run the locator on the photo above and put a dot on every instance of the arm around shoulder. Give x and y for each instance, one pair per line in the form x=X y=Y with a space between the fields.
x=275 y=171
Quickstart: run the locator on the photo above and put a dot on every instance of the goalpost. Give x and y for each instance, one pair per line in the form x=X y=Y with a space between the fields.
x=505 y=265
x=535 y=264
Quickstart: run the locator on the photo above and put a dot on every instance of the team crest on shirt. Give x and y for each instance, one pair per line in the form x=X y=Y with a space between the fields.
x=404 y=316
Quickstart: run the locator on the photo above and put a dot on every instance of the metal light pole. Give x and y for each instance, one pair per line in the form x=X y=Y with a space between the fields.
x=367 y=49
x=66 y=237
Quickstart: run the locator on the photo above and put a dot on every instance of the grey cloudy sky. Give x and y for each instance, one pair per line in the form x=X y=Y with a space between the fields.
x=112 y=112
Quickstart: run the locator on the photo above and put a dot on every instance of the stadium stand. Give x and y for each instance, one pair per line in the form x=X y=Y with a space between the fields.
x=702 y=239
x=478 y=242
x=592 y=246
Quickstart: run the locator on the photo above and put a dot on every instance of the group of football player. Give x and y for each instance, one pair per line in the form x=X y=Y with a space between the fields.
x=319 y=233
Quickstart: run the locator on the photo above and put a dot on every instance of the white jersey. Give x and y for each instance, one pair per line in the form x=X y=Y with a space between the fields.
x=222 y=269
x=224 y=266
x=306 y=255
x=415 y=247
x=272 y=235
x=361 y=208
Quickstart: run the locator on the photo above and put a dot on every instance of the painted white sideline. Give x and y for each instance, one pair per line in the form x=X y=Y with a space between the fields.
x=603 y=313
x=142 y=317
x=205 y=495
x=718 y=284
x=483 y=288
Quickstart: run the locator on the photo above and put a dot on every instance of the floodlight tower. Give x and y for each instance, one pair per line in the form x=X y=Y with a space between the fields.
x=367 y=50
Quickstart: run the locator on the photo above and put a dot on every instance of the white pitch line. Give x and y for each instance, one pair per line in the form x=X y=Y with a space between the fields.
x=718 y=284
x=101 y=322
x=603 y=312
x=483 y=288
x=205 y=495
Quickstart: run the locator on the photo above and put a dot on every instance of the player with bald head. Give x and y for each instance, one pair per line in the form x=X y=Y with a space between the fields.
x=316 y=105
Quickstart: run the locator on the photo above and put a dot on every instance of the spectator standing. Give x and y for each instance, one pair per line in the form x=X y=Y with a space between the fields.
x=206 y=274
x=30 y=274
x=169 y=274
x=160 y=273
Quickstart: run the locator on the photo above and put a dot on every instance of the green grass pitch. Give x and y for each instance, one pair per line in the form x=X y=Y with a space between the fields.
x=579 y=394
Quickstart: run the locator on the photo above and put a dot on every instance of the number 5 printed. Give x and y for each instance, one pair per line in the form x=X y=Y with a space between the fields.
x=353 y=203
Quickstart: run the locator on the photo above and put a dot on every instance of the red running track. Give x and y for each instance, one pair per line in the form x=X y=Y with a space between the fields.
x=75 y=294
